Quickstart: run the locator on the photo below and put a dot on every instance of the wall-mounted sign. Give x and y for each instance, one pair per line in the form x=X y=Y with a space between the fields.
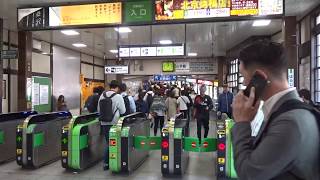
x=182 y=67
x=204 y=67
x=138 y=11
x=72 y=15
x=192 y=9
x=9 y=54
x=170 y=77
x=151 y=51
x=291 y=77
x=168 y=66
x=116 y=70
x=104 y=13
x=33 y=18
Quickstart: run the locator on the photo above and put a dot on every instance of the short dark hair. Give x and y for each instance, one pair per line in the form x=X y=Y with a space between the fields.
x=114 y=84
x=267 y=54
x=123 y=87
x=305 y=93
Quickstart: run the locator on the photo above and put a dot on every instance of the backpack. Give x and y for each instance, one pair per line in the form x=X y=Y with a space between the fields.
x=92 y=103
x=105 y=105
x=296 y=104
x=141 y=106
x=127 y=104
x=149 y=100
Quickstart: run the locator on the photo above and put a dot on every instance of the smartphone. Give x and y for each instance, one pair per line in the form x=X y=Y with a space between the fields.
x=259 y=83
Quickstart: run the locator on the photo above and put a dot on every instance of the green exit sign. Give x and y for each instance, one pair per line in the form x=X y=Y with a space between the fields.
x=138 y=11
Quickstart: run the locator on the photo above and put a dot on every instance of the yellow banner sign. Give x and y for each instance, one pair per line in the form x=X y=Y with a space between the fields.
x=104 y=13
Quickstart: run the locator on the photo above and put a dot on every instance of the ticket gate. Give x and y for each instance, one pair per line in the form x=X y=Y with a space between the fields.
x=82 y=143
x=38 y=139
x=126 y=152
x=8 y=126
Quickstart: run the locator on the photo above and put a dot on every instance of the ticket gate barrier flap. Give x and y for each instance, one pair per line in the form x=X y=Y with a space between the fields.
x=1 y=137
x=147 y=143
x=207 y=144
x=181 y=156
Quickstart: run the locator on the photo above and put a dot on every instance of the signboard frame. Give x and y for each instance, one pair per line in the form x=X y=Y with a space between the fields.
x=153 y=22
x=114 y=66
x=156 y=46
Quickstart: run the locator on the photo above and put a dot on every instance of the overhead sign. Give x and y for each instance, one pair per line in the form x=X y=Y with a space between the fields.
x=165 y=77
x=204 y=67
x=138 y=11
x=182 y=66
x=168 y=66
x=36 y=18
x=72 y=15
x=9 y=54
x=151 y=51
x=244 y=7
x=116 y=70
x=104 y=13
x=192 y=9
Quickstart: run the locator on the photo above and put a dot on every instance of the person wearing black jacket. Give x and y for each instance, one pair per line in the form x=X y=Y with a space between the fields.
x=203 y=105
x=91 y=103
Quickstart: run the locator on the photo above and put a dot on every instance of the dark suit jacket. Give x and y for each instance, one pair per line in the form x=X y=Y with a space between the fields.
x=286 y=149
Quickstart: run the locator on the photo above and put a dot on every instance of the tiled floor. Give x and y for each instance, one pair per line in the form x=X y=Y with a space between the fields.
x=201 y=167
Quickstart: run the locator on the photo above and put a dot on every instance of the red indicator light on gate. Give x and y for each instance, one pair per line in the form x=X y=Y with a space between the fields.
x=165 y=144
x=221 y=146
x=205 y=144
x=113 y=142
x=193 y=144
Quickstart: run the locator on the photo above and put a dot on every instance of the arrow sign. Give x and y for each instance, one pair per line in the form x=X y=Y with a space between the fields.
x=64 y=140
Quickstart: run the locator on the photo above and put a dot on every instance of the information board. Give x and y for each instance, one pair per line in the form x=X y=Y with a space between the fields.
x=116 y=69
x=151 y=51
x=168 y=77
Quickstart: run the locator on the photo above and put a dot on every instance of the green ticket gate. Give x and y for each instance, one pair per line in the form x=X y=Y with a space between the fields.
x=130 y=142
x=38 y=139
x=8 y=126
x=230 y=170
x=82 y=144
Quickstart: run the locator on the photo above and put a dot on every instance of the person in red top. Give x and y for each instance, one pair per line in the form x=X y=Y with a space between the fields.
x=203 y=104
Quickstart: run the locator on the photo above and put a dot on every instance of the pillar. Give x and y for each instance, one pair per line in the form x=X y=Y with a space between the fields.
x=221 y=63
x=1 y=62
x=24 y=69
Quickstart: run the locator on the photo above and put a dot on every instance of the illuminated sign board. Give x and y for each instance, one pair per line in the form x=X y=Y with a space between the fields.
x=73 y=15
x=168 y=66
x=191 y=9
x=151 y=51
x=104 y=13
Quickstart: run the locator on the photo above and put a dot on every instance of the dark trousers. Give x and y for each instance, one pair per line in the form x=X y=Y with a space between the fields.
x=158 y=119
x=186 y=115
x=105 y=131
x=205 y=123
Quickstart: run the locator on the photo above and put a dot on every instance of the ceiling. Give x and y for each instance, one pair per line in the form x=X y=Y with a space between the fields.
x=205 y=39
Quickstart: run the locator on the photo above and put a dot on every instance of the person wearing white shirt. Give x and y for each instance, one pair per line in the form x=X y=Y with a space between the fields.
x=183 y=102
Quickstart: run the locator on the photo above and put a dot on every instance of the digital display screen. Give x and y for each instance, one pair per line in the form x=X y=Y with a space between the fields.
x=104 y=13
x=168 y=66
x=191 y=9
x=124 y=52
x=149 y=51
x=170 y=51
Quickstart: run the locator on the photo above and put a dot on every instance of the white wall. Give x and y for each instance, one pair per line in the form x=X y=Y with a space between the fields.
x=66 y=77
x=40 y=63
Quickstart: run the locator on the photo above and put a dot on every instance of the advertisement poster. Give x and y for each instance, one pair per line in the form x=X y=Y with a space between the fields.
x=104 y=13
x=44 y=94
x=270 y=7
x=35 y=94
x=186 y=9
x=244 y=7
x=35 y=18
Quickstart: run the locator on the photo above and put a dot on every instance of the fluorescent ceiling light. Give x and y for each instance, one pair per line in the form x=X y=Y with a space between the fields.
x=44 y=53
x=114 y=51
x=192 y=54
x=123 y=30
x=70 y=32
x=79 y=45
x=165 y=42
x=263 y=22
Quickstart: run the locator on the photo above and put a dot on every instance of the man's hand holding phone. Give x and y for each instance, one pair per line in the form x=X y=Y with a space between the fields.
x=244 y=109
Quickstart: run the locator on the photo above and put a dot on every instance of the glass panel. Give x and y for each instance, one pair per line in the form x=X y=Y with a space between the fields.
x=317 y=94
x=318 y=19
x=317 y=73
x=317 y=86
x=318 y=61
x=318 y=50
x=318 y=39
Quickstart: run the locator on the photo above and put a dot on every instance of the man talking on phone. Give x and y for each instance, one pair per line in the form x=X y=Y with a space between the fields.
x=287 y=144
